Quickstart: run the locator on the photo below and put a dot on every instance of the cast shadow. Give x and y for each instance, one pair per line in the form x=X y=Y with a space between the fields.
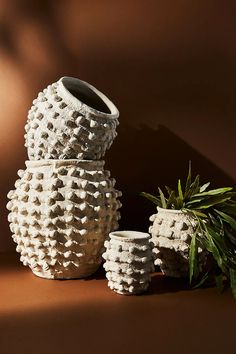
x=160 y=284
x=145 y=158
x=98 y=275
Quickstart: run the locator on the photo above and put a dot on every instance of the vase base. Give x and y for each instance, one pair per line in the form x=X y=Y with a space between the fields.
x=67 y=275
x=130 y=294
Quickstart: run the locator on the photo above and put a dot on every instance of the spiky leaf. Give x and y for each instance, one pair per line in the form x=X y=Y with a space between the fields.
x=169 y=190
x=232 y=273
x=151 y=197
x=170 y=200
x=192 y=258
x=231 y=221
x=181 y=197
x=163 y=199
x=204 y=187
x=209 y=202
x=219 y=282
x=214 y=192
x=188 y=181
x=202 y=281
x=194 y=188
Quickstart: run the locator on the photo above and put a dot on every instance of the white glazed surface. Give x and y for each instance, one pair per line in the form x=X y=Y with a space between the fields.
x=61 y=212
x=172 y=232
x=128 y=262
x=60 y=126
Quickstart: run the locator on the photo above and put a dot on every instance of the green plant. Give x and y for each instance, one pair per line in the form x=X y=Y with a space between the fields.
x=215 y=213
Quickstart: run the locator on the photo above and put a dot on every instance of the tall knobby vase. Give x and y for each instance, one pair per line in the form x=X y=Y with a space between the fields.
x=64 y=204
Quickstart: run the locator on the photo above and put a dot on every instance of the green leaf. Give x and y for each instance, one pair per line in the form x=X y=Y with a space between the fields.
x=192 y=258
x=204 y=187
x=214 y=192
x=231 y=221
x=178 y=203
x=211 y=247
x=188 y=181
x=231 y=237
x=220 y=282
x=198 y=200
x=181 y=197
x=202 y=281
x=163 y=199
x=200 y=214
x=169 y=190
x=221 y=251
x=151 y=197
x=229 y=208
x=194 y=188
x=232 y=273
x=209 y=202
x=170 y=200
x=196 y=213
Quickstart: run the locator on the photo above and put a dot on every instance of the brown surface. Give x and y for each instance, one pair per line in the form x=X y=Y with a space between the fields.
x=83 y=316
x=170 y=66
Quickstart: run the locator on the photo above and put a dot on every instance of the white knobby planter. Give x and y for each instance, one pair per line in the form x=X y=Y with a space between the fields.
x=172 y=231
x=70 y=119
x=128 y=261
x=61 y=214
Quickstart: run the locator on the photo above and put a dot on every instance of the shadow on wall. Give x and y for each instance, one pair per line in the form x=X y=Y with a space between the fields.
x=164 y=69
x=31 y=36
x=143 y=159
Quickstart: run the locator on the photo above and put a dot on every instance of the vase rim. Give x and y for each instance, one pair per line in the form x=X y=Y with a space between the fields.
x=128 y=235
x=60 y=163
x=78 y=104
x=170 y=211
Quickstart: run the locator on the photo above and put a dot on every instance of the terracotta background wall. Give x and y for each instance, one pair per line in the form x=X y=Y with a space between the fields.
x=168 y=65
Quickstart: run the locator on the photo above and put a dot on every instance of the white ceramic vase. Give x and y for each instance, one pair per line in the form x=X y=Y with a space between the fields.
x=61 y=212
x=128 y=262
x=70 y=119
x=172 y=231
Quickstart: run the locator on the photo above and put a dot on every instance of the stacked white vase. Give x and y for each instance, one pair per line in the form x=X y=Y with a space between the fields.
x=128 y=262
x=64 y=204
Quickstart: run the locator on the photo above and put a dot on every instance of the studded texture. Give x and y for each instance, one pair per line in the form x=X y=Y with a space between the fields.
x=172 y=232
x=61 y=212
x=60 y=126
x=128 y=262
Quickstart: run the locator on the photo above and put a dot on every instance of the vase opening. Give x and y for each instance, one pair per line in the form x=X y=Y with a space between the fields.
x=86 y=94
x=129 y=235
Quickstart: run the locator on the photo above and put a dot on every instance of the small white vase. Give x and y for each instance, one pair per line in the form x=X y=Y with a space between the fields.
x=61 y=214
x=70 y=119
x=172 y=231
x=128 y=262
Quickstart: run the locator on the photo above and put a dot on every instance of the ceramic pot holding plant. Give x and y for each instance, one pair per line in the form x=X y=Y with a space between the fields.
x=70 y=119
x=195 y=224
x=172 y=232
x=128 y=262
x=61 y=212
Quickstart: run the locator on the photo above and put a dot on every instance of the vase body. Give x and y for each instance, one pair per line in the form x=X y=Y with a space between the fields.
x=128 y=262
x=172 y=231
x=70 y=119
x=61 y=212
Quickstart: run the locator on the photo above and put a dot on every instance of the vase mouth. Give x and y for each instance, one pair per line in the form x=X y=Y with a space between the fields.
x=128 y=235
x=171 y=211
x=69 y=162
x=83 y=96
